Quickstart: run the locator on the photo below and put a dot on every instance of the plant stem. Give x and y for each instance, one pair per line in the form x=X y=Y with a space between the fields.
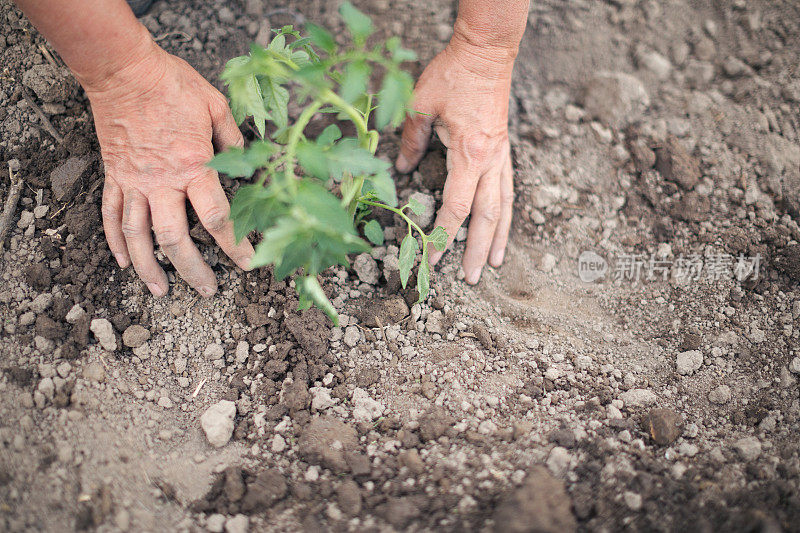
x=294 y=137
x=400 y=212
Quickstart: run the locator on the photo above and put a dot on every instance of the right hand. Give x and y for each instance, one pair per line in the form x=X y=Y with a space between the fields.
x=156 y=119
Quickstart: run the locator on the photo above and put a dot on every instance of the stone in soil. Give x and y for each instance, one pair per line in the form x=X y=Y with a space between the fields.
x=325 y=440
x=541 y=504
x=104 y=333
x=64 y=180
x=615 y=98
x=748 y=448
x=428 y=203
x=638 y=397
x=51 y=84
x=312 y=330
x=365 y=409
x=94 y=371
x=663 y=425
x=435 y=423
x=676 y=164
x=268 y=488
x=689 y=362
x=135 y=336
x=366 y=269
x=720 y=395
x=217 y=422
x=386 y=311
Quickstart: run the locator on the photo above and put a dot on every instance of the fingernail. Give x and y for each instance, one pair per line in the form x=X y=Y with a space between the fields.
x=244 y=263
x=402 y=164
x=473 y=276
x=497 y=258
x=207 y=291
x=157 y=290
x=122 y=261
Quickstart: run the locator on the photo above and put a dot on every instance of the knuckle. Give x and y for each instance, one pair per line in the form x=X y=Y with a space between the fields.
x=215 y=218
x=168 y=237
x=507 y=199
x=131 y=230
x=109 y=211
x=477 y=147
x=458 y=209
x=492 y=213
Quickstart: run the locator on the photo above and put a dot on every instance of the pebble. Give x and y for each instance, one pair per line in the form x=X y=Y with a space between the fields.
x=94 y=371
x=215 y=523
x=321 y=398
x=239 y=523
x=367 y=269
x=135 y=336
x=638 y=397
x=180 y=364
x=214 y=352
x=41 y=303
x=435 y=323
x=558 y=461
x=365 y=409
x=720 y=395
x=75 y=314
x=663 y=425
x=64 y=369
x=548 y=262
x=689 y=362
x=632 y=500
x=278 y=444
x=104 y=333
x=654 y=62
x=748 y=448
x=217 y=422
x=165 y=402
x=615 y=98
x=428 y=203
x=352 y=336
x=242 y=352
x=794 y=366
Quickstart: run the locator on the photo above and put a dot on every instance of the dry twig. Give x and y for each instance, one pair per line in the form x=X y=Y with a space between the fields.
x=46 y=124
x=14 y=191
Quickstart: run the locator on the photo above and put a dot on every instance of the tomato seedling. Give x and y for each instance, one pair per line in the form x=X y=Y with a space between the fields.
x=305 y=227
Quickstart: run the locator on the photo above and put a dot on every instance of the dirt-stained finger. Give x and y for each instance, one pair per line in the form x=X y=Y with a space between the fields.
x=139 y=241
x=112 y=222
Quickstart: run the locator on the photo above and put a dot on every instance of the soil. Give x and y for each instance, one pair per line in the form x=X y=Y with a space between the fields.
x=532 y=401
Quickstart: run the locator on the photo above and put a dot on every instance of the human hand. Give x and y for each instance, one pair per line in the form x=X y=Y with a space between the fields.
x=463 y=93
x=155 y=120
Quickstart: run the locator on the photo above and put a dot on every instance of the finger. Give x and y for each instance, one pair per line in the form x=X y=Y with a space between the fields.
x=112 y=222
x=416 y=136
x=486 y=212
x=138 y=239
x=225 y=131
x=457 y=197
x=211 y=205
x=168 y=209
x=498 y=250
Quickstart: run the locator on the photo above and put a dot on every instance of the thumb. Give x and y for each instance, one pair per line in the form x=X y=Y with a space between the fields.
x=225 y=132
x=416 y=136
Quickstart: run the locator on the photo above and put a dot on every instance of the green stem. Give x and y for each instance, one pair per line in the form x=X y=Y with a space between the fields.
x=294 y=136
x=400 y=212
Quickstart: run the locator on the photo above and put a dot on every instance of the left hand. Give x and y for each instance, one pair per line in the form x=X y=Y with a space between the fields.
x=463 y=93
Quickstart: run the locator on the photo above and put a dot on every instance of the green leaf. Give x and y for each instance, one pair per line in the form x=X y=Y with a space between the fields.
x=438 y=238
x=416 y=207
x=245 y=94
x=278 y=44
x=423 y=277
x=312 y=158
x=254 y=207
x=408 y=251
x=310 y=291
x=321 y=37
x=382 y=185
x=275 y=242
x=354 y=84
x=333 y=160
x=395 y=93
x=359 y=24
x=329 y=135
x=374 y=232
x=399 y=54
x=240 y=162
x=276 y=100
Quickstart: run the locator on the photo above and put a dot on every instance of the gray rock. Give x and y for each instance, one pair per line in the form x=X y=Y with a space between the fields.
x=325 y=440
x=541 y=504
x=75 y=314
x=615 y=98
x=366 y=269
x=64 y=179
x=352 y=336
x=365 y=409
x=689 y=362
x=214 y=352
x=720 y=395
x=748 y=448
x=51 y=84
x=135 y=336
x=435 y=323
x=41 y=303
x=215 y=523
x=794 y=366
x=239 y=523
x=104 y=333
x=654 y=62
x=217 y=422
x=94 y=371
x=428 y=203
x=638 y=397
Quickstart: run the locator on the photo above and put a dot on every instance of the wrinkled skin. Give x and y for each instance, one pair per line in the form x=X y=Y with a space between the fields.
x=156 y=121
x=463 y=94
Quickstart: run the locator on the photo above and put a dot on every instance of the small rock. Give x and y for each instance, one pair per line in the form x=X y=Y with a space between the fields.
x=675 y=164
x=663 y=425
x=321 y=398
x=390 y=310
x=720 y=395
x=748 y=448
x=217 y=422
x=165 y=402
x=104 y=333
x=214 y=352
x=242 y=352
x=94 y=371
x=75 y=314
x=239 y=523
x=615 y=98
x=180 y=364
x=135 y=336
x=278 y=444
x=632 y=500
x=558 y=461
x=548 y=262
x=64 y=369
x=41 y=303
x=541 y=504
x=689 y=362
x=324 y=442
x=64 y=179
x=215 y=523
x=435 y=323
x=654 y=62
x=365 y=409
x=366 y=269
x=51 y=84
x=428 y=203
x=638 y=397
x=794 y=366
x=352 y=336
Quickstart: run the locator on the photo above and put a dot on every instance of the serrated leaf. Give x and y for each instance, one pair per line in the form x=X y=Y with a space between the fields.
x=240 y=162
x=383 y=186
x=247 y=100
x=333 y=160
x=310 y=291
x=423 y=277
x=374 y=232
x=416 y=207
x=312 y=158
x=254 y=207
x=438 y=238
x=275 y=242
x=359 y=24
x=321 y=37
x=354 y=84
x=276 y=100
x=408 y=251
x=395 y=93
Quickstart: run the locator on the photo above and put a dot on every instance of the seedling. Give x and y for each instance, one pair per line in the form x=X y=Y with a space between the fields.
x=305 y=227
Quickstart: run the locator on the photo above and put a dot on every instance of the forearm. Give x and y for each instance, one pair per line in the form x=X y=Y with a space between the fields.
x=96 y=38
